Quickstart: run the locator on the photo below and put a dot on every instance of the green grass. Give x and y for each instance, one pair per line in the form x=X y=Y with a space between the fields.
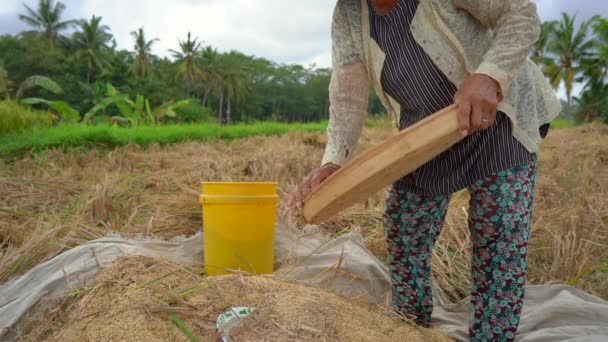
x=17 y=118
x=72 y=135
x=562 y=123
x=62 y=136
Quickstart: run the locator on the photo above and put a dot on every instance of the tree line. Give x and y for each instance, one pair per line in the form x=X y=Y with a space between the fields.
x=89 y=68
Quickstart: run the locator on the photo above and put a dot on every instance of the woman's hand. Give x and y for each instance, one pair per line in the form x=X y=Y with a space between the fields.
x=309 y=183
x=477 y=100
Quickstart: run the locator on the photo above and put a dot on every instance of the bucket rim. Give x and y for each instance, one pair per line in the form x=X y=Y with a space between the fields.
x=239 y=183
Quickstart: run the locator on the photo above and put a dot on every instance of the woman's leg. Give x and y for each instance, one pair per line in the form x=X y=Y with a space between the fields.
x=499 y=218
x=412 y=224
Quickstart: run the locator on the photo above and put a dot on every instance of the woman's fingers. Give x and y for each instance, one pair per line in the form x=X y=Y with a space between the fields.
x=477 y=100
x=464 y=114
x=311 y=182
x=478 y=118
x=484 y=115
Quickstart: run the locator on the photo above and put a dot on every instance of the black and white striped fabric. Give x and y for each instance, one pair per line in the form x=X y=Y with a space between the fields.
x=413 y=80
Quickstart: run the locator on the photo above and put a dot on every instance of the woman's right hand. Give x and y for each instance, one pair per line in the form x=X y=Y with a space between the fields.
x=310 y=183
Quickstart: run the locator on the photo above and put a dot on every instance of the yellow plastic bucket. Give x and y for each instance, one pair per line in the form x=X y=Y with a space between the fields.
x=238 y=227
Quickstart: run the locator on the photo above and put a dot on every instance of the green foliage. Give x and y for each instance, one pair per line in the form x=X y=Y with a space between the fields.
x=132 y=112
x=141 y=66
x=47 y=19
x=92 y=45
x=67 y=112
x=188 y=71
x=103 y=104
x=38 y=81
x=569 y=46
x=4 y=82
x=562 y=123
x=16 y=118
x=66 y=135
x=571 y=55
x=235 y=86
x=190 y=111
x=593 y=103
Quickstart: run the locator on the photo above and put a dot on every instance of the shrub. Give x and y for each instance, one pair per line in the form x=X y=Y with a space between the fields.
x=193 y=111
x=16 y=118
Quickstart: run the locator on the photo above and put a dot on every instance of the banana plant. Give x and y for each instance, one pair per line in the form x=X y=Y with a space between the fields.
x=68 y=113
x=168 y=109
x=132 y=112
x=41 y=82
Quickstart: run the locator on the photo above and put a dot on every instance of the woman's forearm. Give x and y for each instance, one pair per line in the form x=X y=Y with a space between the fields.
x=348 y=95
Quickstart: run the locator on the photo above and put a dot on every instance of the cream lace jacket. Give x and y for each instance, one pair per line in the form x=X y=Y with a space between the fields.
x=462 y=37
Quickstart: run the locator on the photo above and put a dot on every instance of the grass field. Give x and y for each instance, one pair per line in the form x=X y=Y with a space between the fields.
x=106 y=136
x=56 y=199
x=562 y=123
x=17 y=118
x=110 y=136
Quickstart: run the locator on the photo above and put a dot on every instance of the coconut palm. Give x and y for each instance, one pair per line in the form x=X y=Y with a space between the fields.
x=208 y=59
x=234 y=81
x=600 y=28
x=188 y=70
x=593 y=101
x=569 y=47
x=143 y=51
x=47 y=18
x=92 y=43
x=539 y=50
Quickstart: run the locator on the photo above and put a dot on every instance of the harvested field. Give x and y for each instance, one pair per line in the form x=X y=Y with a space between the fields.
x=57 y=199
x=141 y=299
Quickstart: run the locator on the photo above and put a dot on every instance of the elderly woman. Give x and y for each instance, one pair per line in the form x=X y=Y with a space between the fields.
x=422 y=56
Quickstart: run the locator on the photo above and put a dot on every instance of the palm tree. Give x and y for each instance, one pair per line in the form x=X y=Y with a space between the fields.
x=539 y=50
x=143 y=50
x=600 y=28
x=234 y=81
x=47 y=18
x=568 y=48
x=188 y=70
x=208 y=59
x=593 y=101
x=91 y=43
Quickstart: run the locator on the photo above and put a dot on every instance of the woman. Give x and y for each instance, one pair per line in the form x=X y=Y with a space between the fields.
x=422 y=56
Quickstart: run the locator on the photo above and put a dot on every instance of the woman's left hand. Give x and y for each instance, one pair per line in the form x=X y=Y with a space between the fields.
x=477 y=100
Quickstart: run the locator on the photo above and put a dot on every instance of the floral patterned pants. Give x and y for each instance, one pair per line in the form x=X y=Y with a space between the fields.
x=499 y=220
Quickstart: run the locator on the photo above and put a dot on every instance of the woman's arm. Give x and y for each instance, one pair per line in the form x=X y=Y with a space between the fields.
x=348 y=92
x=516 y=27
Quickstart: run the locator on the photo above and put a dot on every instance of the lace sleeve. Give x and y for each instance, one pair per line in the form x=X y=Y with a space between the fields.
x=516 y=27
x=348 y=92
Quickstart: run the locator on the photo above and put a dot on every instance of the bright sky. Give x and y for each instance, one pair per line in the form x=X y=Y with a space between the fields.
x=287 y=31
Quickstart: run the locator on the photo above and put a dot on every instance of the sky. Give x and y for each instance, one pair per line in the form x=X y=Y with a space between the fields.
x=284 y=31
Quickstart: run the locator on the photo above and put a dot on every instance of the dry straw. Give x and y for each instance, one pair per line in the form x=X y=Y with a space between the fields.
x=54 y=201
